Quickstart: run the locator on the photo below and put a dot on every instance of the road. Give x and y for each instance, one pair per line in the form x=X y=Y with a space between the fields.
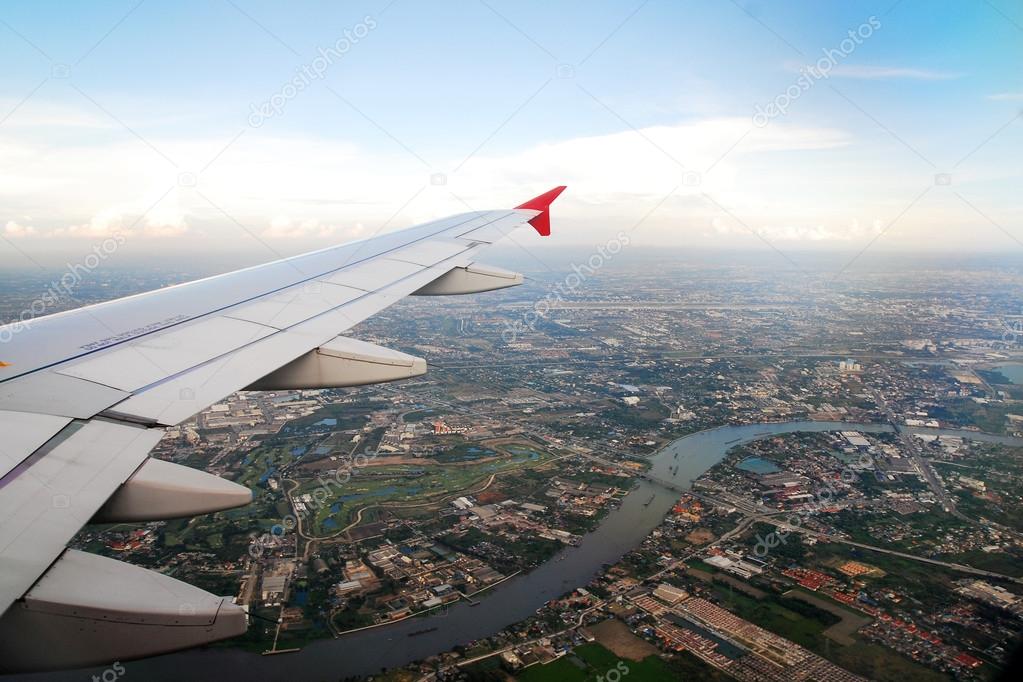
x=497 y=652
x=754 y=513
x=962 y=568
x=912 y=446
x=836 y=355
x=931 y=476
x=759 y=512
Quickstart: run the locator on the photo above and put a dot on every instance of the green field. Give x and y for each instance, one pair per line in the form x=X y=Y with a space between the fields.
x=464 y=452
x=420 y=415
x=963 y=412
x=879 y=663
x=593 y=662
x=793 y=619
x=336 y=508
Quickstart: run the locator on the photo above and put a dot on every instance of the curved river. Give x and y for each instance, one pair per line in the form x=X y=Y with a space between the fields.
x=369 y=651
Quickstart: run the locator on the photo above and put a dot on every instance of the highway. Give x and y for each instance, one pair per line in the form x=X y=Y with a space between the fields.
x=912 y=446
x=754 y=513
x=769 y=517
x=962 y=568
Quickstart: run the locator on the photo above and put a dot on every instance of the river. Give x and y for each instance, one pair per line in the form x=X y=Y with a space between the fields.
x=367 y=651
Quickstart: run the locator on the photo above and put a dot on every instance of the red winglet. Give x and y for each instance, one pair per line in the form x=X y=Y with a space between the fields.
x=542 y=203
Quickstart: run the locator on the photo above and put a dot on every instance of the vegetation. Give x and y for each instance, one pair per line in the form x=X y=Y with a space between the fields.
x=791 y=618
x=990 y=417
x=593 y=662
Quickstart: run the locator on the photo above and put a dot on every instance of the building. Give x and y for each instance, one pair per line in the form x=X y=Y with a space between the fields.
x=973 y=484
x=273 y=588
x=856 y=439
x=670 y=594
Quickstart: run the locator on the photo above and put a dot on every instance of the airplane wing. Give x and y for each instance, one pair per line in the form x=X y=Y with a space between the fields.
x=86 y=394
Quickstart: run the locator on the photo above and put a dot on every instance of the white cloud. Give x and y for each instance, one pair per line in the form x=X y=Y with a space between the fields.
x=867 y=72
x=853 y=231
x=162 y=220
x=283 y=227
x=15 y=230
x=619 y=167
x=326 y=189
x=37 y=113
x=794 y=182
x=1006 y=96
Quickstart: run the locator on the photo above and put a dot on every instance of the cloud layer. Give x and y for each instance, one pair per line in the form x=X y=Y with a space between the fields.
x=306 y=188
x=713 y=180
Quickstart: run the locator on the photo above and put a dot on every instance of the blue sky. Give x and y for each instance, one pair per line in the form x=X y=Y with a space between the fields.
x=137 y=117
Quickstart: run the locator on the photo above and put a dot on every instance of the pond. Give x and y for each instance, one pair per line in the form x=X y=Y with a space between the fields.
x=757 y=465
x=1012 y=371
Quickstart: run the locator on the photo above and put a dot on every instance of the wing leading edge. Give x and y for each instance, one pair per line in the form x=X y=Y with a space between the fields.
x=86 y=394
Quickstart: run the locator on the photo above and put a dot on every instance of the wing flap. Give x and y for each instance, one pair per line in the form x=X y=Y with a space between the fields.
x=60 y=395
x=23 y=433
x=45 y=504
x=429 y=252
x=373 y=275
x=295 y=305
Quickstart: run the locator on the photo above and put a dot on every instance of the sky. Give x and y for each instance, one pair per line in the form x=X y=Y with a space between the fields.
x=271 y=128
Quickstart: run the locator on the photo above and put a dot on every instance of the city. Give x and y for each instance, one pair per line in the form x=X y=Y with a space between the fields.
x=819 y=490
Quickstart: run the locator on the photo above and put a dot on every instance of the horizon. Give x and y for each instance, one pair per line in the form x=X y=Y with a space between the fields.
x=533 y=258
